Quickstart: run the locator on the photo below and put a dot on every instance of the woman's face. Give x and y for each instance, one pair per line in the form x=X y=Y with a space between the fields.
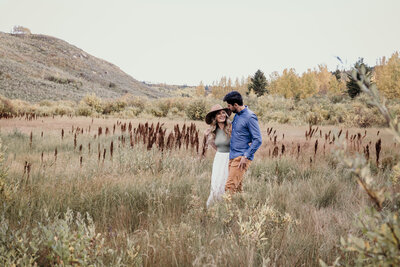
x=221 y=116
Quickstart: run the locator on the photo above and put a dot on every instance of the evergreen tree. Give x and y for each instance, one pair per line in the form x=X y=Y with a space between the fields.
x=258 y=83
x=352 y=87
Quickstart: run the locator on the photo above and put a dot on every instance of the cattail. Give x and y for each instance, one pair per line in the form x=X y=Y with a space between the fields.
x=367 y=152
x=28 y=170
x=25 y=167
x=283 y=136
x=197 y=142
x=283 y=149
x=80 y=148
x=41 y=157
x=99 y=131
x=75 y=143
x=80 y=161
x=131 y=138
x=89 y=148
x=347 y=134
x=275 y=152
x=377 y=133
x=41 y=135
x=315 y=147
x=114 y=129
x=30 y=140
x=312 y=133
x=107 y=131
x=275 y=140
x=104 y=154
x=378 y=150
x=340 y=132
x=298 y=150
x=111 y=149
x=203 y=152
x=170 y=141
x=62 y=134
x=55 y=155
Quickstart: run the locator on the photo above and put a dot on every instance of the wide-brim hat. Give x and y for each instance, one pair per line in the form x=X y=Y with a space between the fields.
x=214 y=110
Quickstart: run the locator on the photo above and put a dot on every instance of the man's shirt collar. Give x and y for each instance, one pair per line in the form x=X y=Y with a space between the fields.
x=242 y=111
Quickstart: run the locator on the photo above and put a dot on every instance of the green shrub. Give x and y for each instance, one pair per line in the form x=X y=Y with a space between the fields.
x=93 y=102
x=114 y=106
x=68 y=241
x=84 y=110
x=196 y=110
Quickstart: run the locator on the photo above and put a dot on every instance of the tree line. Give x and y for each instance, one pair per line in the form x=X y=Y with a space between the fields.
x=317 y=81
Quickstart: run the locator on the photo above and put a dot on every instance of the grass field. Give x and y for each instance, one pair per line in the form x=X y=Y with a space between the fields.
x=149 y=206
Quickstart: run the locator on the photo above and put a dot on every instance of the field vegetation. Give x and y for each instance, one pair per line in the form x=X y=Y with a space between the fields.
x=81 y=191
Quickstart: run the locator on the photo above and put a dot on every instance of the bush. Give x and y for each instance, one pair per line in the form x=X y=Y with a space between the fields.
x=84 y=110
x=6 y=107
x=67 y=241
x=114 y=106
x=196 y=110
x=93 y=102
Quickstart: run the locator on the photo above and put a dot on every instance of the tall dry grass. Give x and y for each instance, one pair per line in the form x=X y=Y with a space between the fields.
x=292 y=213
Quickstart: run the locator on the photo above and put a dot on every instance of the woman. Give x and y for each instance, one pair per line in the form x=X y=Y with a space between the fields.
x=218 y=136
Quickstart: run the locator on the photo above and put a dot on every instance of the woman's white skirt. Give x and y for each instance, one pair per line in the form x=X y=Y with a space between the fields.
x=218 y=177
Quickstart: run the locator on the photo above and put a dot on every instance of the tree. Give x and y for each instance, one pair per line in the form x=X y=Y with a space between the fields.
x=258 y=83
x=353 y=89
x=20 y=30
x=200 y=89
x=387 y=76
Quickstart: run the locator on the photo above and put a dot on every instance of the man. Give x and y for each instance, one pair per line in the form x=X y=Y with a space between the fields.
x=245 y=140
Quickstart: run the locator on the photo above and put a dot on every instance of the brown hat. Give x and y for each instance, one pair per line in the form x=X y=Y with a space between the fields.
x=214 y=109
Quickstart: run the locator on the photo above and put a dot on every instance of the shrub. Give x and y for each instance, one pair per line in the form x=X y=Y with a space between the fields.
x=93 y=102
x=6 y=107
x=196 y=110
x=68 y=241
x=84 y=110
x=114 y=106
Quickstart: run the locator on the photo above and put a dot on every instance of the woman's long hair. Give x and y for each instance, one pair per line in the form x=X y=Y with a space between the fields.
x=214 y=126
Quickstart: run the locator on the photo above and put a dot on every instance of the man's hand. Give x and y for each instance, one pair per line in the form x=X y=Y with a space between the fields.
x=243 y=163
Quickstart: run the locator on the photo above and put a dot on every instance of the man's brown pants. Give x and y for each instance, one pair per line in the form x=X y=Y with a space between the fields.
x=235 y=177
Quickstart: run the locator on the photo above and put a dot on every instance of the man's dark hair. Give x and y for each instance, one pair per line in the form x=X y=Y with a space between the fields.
x=234 y=97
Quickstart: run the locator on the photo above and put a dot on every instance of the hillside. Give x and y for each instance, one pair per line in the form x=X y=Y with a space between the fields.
x=38 y=67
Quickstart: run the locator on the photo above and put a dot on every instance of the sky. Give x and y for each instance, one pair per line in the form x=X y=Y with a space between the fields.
x=188 y=41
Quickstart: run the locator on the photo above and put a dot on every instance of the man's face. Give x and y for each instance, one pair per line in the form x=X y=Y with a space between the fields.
x=233 y=107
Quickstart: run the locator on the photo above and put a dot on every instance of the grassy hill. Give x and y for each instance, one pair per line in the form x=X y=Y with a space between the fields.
x=39 y=67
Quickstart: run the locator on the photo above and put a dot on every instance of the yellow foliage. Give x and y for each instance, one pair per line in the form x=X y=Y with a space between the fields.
x=387 y=76
x=287 y=85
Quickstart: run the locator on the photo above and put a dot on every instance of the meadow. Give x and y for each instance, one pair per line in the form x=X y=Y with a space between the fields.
x=92 y=191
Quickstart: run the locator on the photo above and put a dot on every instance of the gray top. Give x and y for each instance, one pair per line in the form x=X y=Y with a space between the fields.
x=222 y=141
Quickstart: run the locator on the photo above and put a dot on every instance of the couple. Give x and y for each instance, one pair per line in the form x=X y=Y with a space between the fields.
x=234 y=142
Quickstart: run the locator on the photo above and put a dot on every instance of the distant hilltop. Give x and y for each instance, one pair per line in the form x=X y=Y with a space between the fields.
x=36 y=67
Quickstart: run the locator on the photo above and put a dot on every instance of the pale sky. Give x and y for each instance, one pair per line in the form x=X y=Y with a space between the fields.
x=187 y=41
